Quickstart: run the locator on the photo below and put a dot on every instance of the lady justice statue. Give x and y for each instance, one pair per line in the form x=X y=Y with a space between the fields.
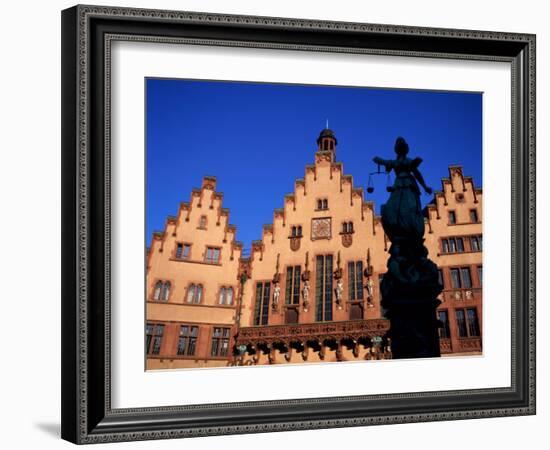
x=411 y=285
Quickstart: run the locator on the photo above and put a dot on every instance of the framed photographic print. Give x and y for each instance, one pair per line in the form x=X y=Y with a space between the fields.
x=284 y=224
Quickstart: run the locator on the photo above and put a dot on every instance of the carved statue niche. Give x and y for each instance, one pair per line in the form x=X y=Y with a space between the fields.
x=305 y=289
x=339 y=292
x=305 y=295
x=276 y=287
x=369 y=286
x=276 y=295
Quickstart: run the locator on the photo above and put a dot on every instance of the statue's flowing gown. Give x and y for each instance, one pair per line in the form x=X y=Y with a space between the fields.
x=402 y=215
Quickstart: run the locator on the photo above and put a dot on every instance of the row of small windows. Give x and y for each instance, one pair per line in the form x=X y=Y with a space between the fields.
x=462 y=244
x=467 y=323
x=194 y=293
x=212 y=254
x=461 y=277
x=473 y=217
x=187 y=340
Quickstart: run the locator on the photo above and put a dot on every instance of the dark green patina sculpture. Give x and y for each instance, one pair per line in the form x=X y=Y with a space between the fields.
x=411 y=284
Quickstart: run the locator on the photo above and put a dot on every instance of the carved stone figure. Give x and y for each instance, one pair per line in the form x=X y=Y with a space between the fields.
x=410 y=286
x=305 y=295
x=276 y=294
x=339 y=291
x=370 y=288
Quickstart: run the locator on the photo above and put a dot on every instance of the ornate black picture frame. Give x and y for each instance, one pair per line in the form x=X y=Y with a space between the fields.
x=87 y=414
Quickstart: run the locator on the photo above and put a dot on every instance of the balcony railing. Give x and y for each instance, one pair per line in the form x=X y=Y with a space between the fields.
x=352 y=329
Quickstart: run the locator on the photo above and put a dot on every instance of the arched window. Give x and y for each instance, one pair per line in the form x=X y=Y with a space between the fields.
x=158 y=290
x=322 y=204
x=194 y=293
x=162 y=291
x=347 y=227
x=229 y=298
x=226 y=296
x=165 y=291
x=222 y=296
x=198 y=297
x=190 y=293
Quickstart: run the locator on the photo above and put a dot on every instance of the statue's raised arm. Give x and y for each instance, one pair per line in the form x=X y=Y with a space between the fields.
x=414 y=169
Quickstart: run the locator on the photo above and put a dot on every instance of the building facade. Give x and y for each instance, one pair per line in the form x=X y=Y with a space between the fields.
x=192 y=285
x=309 y=291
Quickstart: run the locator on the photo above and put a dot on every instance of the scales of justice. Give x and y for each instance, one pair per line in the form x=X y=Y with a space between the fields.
x=389 y=182
x=410 y=287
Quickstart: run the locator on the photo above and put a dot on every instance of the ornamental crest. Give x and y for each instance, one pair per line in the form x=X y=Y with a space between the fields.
x=347 y=240
x=295 y=243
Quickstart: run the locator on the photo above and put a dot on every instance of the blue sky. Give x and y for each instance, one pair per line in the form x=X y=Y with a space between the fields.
x=256 y=138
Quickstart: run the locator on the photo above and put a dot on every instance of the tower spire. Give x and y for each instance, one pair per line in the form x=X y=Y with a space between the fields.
x=327 y=141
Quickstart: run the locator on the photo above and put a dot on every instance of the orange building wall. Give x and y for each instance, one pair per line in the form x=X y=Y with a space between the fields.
x=162 y=264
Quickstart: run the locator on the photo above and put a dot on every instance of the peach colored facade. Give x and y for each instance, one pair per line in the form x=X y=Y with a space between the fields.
x=310 y=288
x=196 y=279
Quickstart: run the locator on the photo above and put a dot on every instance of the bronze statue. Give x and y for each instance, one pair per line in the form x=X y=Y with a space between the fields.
x=402 y=214
x=410 y=286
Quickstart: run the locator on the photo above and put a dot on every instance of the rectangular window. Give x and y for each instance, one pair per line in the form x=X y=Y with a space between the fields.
x=202 y=223
x=455 y=279
x=440 y=277
x=444 y=331
x=154 y=334
x=261 y=308
x=461 y=278
x=355 y=280
x=445 y=245
x=466 y=277
x=459 y=245
x=461 y=323
x=187 y=341
x=292 y=291
x=468 y=323
x=220 y=342
x=473 y=216
x=452 y=245
x=480 y=275
x=183 y=251
x=475 y=243
x=212 y=255
x=452 y=217
x=473 y=324
x=323 y=287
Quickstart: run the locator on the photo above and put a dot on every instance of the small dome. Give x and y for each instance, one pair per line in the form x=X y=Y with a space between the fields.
x=327 y=132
